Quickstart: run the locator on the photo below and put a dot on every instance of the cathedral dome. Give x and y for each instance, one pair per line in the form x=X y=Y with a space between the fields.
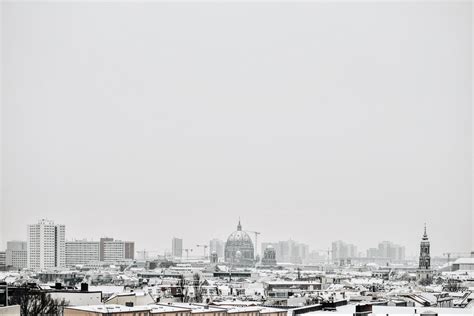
x=239 y=248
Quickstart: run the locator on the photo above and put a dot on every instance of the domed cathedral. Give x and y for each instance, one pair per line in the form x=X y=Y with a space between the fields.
x=239 y=249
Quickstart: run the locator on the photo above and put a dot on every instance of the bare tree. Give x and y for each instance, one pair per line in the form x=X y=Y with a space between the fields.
x=36 y=302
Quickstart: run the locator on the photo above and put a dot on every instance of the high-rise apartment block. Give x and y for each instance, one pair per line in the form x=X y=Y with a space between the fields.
x=289 y=251
x=46 y=246
x=82 y=252
x=342 y=250
x=177 y=247
x=116 y=250
x=107 y=249
x=387 y=250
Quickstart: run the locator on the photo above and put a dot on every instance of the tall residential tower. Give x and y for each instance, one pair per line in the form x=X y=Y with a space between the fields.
x=46 y=245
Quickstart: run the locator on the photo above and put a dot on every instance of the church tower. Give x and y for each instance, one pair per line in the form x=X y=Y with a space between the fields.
x=425 y=260
x=424 y=273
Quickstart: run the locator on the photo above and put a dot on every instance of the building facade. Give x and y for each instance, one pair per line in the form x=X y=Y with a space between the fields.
x=177 y=247
x=17 y=254
x=82 y=252
x=102 y=242
x=269 y=256
x=46 y=245
x=3 y=260
x=117 y=250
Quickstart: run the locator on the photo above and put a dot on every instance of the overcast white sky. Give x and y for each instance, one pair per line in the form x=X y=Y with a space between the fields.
x=315 y=122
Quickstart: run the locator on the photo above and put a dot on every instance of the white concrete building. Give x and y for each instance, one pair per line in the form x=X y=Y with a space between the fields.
x=117 y=250
x=3 y=260
x=463 y=264
x=78 y=298
x=46 y=245
x=16 y=254
x=82 y=252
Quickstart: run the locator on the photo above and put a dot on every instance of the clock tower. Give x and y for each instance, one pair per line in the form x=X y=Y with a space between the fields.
x=424 y=273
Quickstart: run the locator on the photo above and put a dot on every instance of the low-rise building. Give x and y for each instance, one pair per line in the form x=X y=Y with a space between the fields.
x=77 y=298
x=169 y=310
x=203 y=310
x=244 y=311
x=464 y=264
x=130 y=299
x=268 y=311
x=106 y=310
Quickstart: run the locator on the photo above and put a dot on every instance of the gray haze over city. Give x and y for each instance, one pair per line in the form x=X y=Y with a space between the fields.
x=318 y=122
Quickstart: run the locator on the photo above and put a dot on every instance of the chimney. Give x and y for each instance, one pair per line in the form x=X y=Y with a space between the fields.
x=84 y=287
x=363 y=310
x=58 y=286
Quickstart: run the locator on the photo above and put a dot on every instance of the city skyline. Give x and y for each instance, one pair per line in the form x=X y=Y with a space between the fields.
x=195 y=246
x=223 y=158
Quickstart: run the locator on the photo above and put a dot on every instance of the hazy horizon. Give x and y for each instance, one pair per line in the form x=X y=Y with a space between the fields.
x=311 y=121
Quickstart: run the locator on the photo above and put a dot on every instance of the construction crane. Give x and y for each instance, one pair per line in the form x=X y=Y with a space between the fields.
x=187 y=250
x=256 y=241
x=448 y=254
x=145 y=253
x=204 y=247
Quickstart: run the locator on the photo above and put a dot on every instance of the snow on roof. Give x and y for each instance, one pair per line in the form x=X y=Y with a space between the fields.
x=107 y=289
x=197 y=308
x=272 y=310
x=243 y=309
x=282 y=282
x=109 y=309
x=395 y=310
x=159 y=308
x=237 y=303
x=464 y=261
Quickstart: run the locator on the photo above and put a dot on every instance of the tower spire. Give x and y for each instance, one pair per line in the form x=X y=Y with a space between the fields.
x=239 y=226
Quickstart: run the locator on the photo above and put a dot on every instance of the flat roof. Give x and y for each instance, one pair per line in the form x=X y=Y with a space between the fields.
x=464 y=261
x=196 y=308
x=395 y=310
x=272 y=310
x=162 y=308
x=291 y=282
x=109 y=308
x=237 y=303
x=243 y=309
